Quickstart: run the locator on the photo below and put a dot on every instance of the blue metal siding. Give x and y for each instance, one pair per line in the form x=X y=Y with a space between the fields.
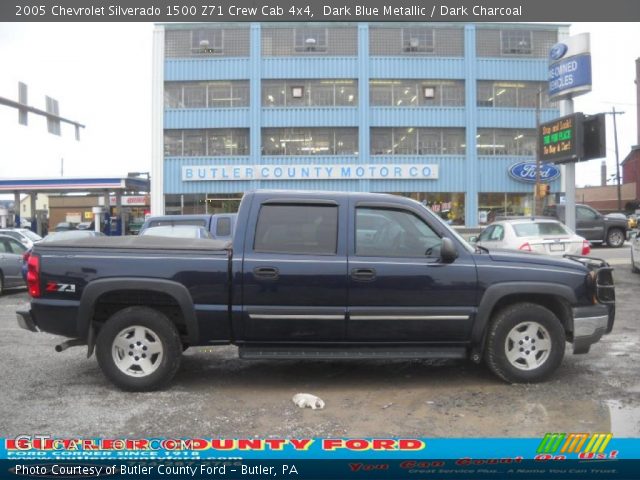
x=207 y=118
x=310 y=117
x=513 y=117
x=186 y=69
x=523 y=69
x=424 y=67
x=304 y=67
x=417 y=117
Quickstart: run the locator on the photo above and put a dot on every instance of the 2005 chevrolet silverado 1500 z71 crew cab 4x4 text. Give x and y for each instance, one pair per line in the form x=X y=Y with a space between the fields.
x=317 y=275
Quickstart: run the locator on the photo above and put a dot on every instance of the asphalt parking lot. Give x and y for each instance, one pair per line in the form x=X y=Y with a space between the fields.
x=215 y=394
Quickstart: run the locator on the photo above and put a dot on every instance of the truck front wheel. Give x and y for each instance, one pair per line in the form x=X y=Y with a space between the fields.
x=615 y=237
x=525 y=343
x=139 y=349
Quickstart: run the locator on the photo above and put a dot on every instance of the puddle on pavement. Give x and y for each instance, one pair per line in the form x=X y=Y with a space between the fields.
x=625 y=420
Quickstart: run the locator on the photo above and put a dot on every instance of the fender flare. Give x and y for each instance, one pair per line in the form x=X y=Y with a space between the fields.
x=99 y=287
x=496 y=292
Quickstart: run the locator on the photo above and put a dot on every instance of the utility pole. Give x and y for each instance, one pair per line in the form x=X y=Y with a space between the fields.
x=615 y=136
x=61 y=167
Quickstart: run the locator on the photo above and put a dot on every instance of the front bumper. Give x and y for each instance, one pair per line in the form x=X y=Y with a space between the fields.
x=589 y=324
x=25 y=320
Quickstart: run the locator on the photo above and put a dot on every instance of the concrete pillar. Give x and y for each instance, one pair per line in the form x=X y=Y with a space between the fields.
x=35 y=225
x=17 y=212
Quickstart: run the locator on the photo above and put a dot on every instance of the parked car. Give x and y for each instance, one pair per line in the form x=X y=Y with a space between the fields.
x=300 y=282
x=84 y=225
x=608 y=230
x=635 y=251
x=545 y=236
x=11 y=260
x=55 y=237
x=220 y=225
x=176 y=231
x=64 y=226
x=23 y=235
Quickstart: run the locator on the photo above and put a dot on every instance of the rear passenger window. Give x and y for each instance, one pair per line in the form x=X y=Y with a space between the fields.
x=223 y=227
x=300 y=229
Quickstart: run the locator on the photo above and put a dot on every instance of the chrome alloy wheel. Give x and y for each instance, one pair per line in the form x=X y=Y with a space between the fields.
x=527 y=346
x=137 y=351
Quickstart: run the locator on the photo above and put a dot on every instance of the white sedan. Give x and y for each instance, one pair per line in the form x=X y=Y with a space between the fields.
x=533 y=235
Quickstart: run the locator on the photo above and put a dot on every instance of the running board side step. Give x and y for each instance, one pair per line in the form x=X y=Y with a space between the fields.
x=254 y=352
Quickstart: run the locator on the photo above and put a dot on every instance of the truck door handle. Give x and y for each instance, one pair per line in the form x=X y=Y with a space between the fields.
x=363 y=274
x=270 y=273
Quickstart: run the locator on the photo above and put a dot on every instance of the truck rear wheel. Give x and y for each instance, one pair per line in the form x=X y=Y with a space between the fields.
x=525 y=343
x=139 y=349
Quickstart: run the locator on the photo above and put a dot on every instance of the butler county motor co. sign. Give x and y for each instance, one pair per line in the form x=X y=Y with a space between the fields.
x=309 y=172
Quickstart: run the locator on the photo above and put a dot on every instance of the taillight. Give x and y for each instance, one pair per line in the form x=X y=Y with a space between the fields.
x=526 y=247
x=33 y=275
x=586 y=248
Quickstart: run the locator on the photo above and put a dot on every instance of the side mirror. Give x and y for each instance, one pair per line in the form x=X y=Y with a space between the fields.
x=473 y=239
x=448 y=252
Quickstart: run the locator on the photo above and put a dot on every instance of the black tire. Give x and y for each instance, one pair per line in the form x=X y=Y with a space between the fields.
x=150 y=332
x=1 y=283
x=615 y=238
x=547 y=330
x=634 y=269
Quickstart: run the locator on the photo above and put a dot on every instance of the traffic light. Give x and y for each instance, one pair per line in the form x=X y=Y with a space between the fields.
x=542 y=190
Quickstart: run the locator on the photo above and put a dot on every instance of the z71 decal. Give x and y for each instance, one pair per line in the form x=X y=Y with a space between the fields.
x=61 y=287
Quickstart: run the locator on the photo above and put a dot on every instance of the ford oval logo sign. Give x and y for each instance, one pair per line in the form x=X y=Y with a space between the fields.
x=526 y=172
x=558 y=51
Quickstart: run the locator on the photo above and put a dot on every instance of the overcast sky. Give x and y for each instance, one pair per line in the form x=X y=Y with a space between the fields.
x=100 y=73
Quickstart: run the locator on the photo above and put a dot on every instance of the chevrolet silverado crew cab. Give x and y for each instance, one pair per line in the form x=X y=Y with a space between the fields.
x=317 y=275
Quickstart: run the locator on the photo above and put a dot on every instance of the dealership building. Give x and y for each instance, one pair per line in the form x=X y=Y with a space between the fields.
x=443 y=113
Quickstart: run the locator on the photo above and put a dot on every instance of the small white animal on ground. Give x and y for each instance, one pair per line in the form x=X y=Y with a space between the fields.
x=306 y=400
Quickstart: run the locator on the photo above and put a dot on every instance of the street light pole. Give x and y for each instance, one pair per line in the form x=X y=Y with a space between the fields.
x=537 y=209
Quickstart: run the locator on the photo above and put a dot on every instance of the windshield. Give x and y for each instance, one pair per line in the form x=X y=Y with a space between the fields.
x=177 y=231
x=34 y=237
x=539 y=229
x=451 y=231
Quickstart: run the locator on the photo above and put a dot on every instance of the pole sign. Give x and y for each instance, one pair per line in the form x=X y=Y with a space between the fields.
x=573 y=138
x=560 y=141
x=570 y=67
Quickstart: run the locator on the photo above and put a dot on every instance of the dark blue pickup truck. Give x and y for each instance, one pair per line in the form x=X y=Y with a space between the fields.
x=317 y=275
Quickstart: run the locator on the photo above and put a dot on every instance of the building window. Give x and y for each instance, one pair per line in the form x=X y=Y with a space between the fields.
x=206 y=41
x=309 y=93
x=310 y=40
x=516 y=42
x=513 y=42
x=505 y=141
x=417 y=141
x=206 y=94
x=492 y=205
x=418 y=40
x=211 y=143
x=449 y=206
x=416 y=93
x=310 y=141
x=391 y=41
x=513 y=94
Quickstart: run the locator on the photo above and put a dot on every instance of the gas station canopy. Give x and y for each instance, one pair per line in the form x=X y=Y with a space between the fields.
x=64 y=185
